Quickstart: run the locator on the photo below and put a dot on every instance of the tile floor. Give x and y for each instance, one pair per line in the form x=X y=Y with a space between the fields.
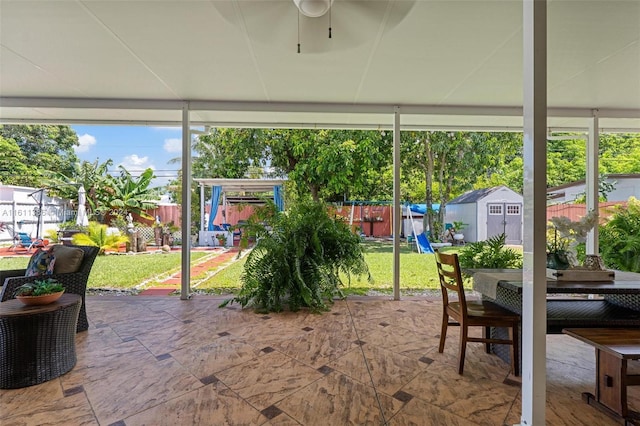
x=370 y=361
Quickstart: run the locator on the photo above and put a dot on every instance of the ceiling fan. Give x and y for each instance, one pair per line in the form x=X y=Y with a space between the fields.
x=318 y=26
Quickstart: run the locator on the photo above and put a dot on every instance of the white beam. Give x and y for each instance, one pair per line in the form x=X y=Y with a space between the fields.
x=308 y=107
x=592 y=177
x=397 y=216
x=534 y=313
x=185 y=288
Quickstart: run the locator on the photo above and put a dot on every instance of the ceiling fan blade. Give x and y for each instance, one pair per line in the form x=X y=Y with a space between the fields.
x=279 y=24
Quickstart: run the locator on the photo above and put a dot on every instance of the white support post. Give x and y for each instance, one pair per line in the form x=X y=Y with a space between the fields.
x=203 y=223
x=534 y=312
x=185 y=289
x=593 y=195
x=397 y=217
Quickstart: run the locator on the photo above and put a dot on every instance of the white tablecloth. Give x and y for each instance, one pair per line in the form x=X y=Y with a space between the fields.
x=487 y=282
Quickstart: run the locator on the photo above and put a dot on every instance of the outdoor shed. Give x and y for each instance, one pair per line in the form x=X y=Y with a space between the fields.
x=488 y=212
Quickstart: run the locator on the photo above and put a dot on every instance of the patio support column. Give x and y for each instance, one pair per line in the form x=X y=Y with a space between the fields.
x=534 y=313
x=593 y=195
x=186 y=204
x=397 y=216
x=203 y=222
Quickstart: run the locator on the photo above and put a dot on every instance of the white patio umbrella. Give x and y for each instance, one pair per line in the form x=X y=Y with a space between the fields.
x=81 y=218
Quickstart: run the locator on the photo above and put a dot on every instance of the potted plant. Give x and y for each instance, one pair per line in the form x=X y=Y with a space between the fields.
x=458 y=236
x=222 y=239
x=39 y=292
x=299 y=260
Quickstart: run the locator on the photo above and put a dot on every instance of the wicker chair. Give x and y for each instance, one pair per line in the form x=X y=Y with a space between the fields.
x=74 y=282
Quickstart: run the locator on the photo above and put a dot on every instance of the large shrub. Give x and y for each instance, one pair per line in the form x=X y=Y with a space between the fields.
x=298 y=259
x=620 y=238
x=491 y=253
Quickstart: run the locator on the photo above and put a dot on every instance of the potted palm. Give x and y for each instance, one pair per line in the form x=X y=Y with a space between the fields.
x=39 y=292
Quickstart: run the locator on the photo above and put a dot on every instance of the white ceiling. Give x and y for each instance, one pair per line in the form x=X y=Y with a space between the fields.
x=444 y=63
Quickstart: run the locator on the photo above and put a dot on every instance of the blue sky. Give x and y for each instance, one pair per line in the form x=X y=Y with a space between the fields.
x=134 y=147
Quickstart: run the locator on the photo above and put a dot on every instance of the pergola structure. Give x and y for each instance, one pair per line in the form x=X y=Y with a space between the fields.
x=234 y=186
x=536 y=66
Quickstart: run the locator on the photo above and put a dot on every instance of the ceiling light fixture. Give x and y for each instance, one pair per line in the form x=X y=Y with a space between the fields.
x=313 y=8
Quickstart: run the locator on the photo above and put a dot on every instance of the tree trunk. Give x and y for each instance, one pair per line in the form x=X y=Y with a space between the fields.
x=314 y=192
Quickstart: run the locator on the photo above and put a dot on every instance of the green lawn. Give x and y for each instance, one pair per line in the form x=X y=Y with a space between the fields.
x=122 y=272
x=417 y=271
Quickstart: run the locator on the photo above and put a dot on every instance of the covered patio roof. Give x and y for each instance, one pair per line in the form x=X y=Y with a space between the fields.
x=446 y=64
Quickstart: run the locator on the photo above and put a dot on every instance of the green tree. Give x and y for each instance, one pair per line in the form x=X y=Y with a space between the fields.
x=45 y=149
x=13 y=164
x=453 y=162
x=94 y=177
x=227 y=153
x=330 y=164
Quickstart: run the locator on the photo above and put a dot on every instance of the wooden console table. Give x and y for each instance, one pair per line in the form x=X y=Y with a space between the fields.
x=614 y=347
x=37 y=343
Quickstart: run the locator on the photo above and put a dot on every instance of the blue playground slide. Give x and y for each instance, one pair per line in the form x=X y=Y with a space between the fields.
x=423 y=244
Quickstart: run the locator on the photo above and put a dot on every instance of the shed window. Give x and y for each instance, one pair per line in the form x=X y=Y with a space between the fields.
x=495 y=209
x=513 y=209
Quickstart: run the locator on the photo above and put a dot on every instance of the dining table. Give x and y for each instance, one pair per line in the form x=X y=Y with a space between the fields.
x=570 y=304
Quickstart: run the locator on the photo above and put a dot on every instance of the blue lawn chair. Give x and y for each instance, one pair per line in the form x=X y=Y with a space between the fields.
x=22 y=239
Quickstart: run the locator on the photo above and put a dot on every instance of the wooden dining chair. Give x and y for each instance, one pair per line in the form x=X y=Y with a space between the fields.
x=467 y=314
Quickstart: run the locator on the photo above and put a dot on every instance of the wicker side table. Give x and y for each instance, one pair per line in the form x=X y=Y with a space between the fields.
x=37 y=343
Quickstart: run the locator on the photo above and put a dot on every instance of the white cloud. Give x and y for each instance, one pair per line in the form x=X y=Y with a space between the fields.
x=85 y=141
x=133 y=163
x=173 y=145
x=136 y=165
x=171 y=128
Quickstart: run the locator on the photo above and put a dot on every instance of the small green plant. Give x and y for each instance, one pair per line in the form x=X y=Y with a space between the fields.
x=97 y=236
x=491 y=253
x=39 y=288
x=459 y=225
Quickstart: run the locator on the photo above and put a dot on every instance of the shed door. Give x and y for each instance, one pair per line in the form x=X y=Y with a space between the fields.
x=505 y=218
x=495 y=219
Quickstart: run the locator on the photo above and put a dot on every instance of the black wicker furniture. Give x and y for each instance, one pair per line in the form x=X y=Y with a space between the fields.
x=73 y=282
x=37 y=343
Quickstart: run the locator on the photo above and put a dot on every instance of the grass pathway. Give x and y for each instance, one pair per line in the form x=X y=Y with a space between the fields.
x=207 y=267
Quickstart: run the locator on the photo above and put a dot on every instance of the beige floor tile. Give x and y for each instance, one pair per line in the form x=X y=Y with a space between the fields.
x=318 y=347
x=403 y=341
x=138 y=386
x=219 y=355
x=384 y=369
x=420 y=413
x=214 y=404
x=269 y=378
x=337 y=399
x=72 y=410
x=163 y=339
x=477 y=399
